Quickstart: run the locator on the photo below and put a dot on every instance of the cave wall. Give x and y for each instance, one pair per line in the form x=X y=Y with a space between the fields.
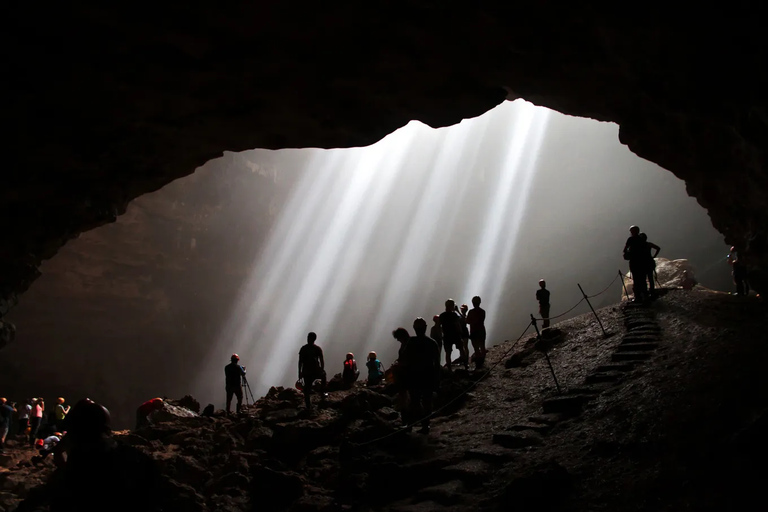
x=110 y=102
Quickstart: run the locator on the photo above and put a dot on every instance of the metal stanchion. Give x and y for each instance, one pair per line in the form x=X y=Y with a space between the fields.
x=626 y=292
x=593 y=310
x=551 y=369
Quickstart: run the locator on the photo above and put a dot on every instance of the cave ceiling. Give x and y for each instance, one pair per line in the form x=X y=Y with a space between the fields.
x=109 y=102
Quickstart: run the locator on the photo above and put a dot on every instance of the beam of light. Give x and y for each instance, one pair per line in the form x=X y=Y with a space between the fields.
x=372 y=237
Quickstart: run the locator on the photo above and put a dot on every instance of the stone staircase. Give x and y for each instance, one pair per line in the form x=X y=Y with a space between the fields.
x=465 y=477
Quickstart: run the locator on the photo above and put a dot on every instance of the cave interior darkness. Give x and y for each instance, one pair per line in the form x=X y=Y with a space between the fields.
x=108 y=103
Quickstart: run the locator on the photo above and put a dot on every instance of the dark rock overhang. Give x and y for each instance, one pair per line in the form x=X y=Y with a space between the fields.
x=111 y=102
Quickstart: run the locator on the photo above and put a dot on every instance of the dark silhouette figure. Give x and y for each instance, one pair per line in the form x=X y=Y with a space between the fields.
x=739 y=272
x=450 y=323
x=350 y=373
x=36 y=419
x=688 y=281
x=476 y=321
x=311 y=368
x=436 y=332
x=6 y=416
x=398 y=370
x=542 y=295
x=635 y=253
x=96 y=472
x=650 y=264
x=464 y=347
x=421 y=360
x=233 y=382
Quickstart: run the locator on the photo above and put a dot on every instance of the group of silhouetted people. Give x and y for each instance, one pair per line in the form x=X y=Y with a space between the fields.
x=642 y=264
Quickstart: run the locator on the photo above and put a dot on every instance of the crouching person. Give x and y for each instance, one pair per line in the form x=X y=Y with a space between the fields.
x=145 y=410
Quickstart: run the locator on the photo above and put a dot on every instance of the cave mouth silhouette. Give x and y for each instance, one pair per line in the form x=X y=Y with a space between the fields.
x=176 y=280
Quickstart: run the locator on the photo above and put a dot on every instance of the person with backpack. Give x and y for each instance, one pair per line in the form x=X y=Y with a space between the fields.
x=60 y=413
x=350 y=373
x=146 y=409
x=312 y=368
x=375 y=370
x=233 y=382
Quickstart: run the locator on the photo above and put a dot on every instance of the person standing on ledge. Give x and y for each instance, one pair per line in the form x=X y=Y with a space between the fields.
x=311 y=368
x=233 y=382
x=542 y=295
x=650 y=268
x=476 y=321
x=739 y=272
x=635 y=253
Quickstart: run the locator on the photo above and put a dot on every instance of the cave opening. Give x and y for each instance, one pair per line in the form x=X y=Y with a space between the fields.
x=259 y=247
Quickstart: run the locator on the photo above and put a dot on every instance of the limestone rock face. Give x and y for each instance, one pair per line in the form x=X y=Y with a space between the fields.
x=107 y=103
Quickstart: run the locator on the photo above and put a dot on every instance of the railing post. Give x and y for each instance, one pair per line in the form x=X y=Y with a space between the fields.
x=593 y=310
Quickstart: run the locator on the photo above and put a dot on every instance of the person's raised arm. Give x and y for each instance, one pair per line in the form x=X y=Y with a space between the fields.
x=654 y=247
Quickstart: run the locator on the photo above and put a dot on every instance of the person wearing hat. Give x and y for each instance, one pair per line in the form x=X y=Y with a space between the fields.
x=542 y=295
x=61 y=412
x=147 y=408
x=233 y=382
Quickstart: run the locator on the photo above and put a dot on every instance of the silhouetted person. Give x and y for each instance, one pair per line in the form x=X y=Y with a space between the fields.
x=450 y=323
x=36 y=419
x=739 y=272
x=311 y=367
x=650 y=263
x=96 y=472
x=476 y=321
x=6 y=416
x=464 y=347
x=422 y=370
x=350 y=373
x=375 y=369
x=233 y=382
x=146 y=409
x=688 y=281
x=399 y=371
x=542 y=295
x=635 y=253
x=436 y=332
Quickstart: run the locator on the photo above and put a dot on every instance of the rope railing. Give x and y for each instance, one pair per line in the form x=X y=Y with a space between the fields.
x=453 y=400
x=533 y=321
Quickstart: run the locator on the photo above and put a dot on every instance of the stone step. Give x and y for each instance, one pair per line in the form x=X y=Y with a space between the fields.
x=449 y=493
x=517 y=439
x=564 y=404
x=470 y=471
x=637 y=347
x=490 y=453
x=637 y=324
x=630 y=356
x=602 y=377
x=640 y=338
x=546 y=419
x=604 y=368
x=587 y=390
x=538 y=428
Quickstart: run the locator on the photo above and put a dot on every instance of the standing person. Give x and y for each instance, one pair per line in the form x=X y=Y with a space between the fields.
x=739 y=272
x=38 y=407
x=422 y=356
x=375 y=370
x=61 y=412
x=634 y=252
x=650 y=265
x=145 y=410
x=464 y=349
x=311 y=368
x=451 y=327
x=23 y=417
x=350 y=373
x=435 y=332
x=6 y=416
x=476 y=321
x=233 y=382
x=542 y=295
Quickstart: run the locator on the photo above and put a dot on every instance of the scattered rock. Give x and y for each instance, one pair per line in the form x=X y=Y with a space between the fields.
x=517 y=440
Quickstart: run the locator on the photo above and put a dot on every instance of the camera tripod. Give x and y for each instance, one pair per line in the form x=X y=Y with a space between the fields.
x=248 y=391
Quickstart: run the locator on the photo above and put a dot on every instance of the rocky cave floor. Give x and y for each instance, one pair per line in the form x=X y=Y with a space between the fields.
x=669 y=412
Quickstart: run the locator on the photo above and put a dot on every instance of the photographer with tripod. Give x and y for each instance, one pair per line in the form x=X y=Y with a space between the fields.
x=234 y=375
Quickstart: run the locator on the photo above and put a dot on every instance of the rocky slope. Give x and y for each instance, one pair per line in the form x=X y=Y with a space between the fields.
x=133 y=101
x=664 y=413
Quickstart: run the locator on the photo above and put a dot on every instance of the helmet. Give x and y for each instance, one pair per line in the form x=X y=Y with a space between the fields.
x=634 y=229
x=39 y=442
x=436 y=318
x=234 y=357
x=350 y=355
